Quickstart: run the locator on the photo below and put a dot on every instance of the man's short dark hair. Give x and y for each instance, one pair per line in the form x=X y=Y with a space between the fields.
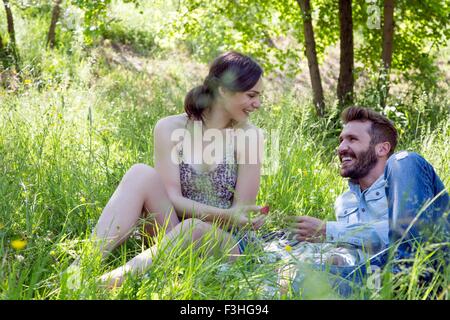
x=381 y=130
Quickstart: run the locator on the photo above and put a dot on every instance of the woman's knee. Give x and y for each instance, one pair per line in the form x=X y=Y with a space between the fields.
x=142 y=173
x=141 y=169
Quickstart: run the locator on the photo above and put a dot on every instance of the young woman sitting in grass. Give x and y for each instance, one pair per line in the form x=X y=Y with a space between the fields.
x=184 y=193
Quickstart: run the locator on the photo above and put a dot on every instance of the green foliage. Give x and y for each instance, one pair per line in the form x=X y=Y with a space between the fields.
x=409 y=109
x=249 y=26
x=7 y=56
x=95 y=16
x=272 y=31
x=140 y=41
x=421 y=29
x=326 y=28
x=96 y=19
x=262 y=28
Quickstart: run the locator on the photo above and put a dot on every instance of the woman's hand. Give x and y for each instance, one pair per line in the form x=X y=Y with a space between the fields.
x=248 y=215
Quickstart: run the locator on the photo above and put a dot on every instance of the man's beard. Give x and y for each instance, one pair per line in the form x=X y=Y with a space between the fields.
x=364 y=162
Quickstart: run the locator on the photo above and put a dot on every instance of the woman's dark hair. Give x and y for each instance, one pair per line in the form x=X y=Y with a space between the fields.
x=231 y=70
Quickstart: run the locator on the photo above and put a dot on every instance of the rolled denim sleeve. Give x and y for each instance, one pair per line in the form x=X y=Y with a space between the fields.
x=372 y=237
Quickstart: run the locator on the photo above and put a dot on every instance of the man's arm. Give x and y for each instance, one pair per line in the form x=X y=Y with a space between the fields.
x=372 y=236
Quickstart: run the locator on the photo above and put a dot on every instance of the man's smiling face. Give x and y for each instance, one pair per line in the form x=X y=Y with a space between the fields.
x=356 y=152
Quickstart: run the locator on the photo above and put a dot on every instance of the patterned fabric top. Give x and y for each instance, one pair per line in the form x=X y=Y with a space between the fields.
x=215 y=187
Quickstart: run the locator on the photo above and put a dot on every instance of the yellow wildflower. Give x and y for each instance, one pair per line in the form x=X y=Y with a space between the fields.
x=276 y=108
x=27 y=81
x=288 y=248
x=18 y=244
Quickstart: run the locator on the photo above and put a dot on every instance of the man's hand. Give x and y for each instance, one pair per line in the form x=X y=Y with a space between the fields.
x=305 y=228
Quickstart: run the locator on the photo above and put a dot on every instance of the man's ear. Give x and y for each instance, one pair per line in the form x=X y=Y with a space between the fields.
x=382 y=149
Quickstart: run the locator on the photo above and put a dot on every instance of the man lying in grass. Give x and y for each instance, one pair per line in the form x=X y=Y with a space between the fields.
x=394 y=201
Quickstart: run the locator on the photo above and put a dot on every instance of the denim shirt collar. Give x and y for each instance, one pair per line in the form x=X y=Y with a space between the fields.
x=356 y=189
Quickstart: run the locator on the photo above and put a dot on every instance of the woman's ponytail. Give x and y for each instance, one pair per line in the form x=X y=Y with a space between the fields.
x=197 y=100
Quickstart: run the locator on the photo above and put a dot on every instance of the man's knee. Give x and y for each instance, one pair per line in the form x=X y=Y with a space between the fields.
x=405 y=160
x=407 y=169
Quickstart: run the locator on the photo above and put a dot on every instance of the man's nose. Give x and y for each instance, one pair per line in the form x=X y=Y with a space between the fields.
x=343 y=146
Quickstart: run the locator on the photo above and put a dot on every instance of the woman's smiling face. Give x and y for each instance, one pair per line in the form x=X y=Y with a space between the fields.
x=239 y=105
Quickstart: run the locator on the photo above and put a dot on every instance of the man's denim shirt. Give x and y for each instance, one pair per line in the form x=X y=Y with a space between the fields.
x=362 y=218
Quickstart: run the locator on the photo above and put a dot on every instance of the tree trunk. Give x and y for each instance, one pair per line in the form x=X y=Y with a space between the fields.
x=10 y=22
x=2 y=55
x=388 y=46
x=52 y=30
x=388 y=33
x=12 y=33
x=346 y=81
x=311 y=55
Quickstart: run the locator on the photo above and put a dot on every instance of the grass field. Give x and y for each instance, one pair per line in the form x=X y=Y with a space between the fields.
x=78 y=120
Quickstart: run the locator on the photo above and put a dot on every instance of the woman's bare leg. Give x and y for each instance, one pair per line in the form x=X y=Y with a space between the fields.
x=190 y=231
x=141 y=190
